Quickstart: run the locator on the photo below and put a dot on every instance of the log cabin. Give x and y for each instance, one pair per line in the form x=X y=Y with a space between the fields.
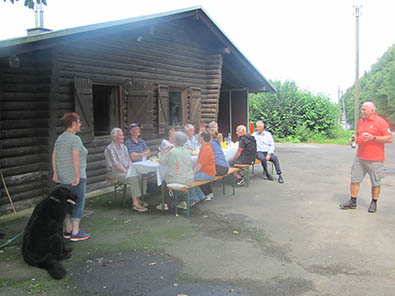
x=165 y=69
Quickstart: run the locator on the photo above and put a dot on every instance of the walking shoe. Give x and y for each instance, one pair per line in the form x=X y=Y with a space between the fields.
x=240 y=182
x=280 y=179
x=182 y=205
x=165 y=207
x=80 y=236
x=372 y=207
x=67 y=234
x=209 y=196
x=269 y=177
x=348 y=205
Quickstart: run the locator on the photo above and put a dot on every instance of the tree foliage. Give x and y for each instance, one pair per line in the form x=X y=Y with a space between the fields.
x=294 y=113
x=30 y=3
x=378 y=86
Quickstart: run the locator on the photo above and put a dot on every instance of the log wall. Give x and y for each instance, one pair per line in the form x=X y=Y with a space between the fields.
x=166 y=56
x=24 y=133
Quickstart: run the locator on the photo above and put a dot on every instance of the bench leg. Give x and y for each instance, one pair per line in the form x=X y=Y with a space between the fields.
x=223 y=185
x=176 y=197
x=188 y=196
x=125 y=188
x=253 y=169
x=248 y=176
x=163 y=189
x=233 y=183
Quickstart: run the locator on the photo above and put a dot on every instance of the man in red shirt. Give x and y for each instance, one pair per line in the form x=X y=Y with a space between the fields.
x=372 y=133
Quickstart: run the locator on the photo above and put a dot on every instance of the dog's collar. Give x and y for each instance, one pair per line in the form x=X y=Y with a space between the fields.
x=55 y=199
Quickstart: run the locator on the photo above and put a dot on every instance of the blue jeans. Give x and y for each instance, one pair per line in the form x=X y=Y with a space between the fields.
x=273 y=158
x=75 y=212
x=197 y=193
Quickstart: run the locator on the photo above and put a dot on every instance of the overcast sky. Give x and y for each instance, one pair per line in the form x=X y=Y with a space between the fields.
x=309 y=41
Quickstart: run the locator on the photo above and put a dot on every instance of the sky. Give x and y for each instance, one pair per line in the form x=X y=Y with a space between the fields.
x=311 y=42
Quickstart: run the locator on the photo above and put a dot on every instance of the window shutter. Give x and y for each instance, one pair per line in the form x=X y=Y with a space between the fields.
x=83 y=105
x=163 y=108
x=140 y=105
x=195 y=97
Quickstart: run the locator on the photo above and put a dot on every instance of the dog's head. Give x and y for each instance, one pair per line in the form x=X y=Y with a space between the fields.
x=63 y=195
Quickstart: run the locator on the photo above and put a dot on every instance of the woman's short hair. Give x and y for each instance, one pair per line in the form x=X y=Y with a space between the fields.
x=180 y=139
x=167 y=130
x=114 y=132
x=68 y=119
x=205 y=135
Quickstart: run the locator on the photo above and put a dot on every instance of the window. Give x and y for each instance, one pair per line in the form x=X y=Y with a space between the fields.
x=175 y=108
x=106 y=109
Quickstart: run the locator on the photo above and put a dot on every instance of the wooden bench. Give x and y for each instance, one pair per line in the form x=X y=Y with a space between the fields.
x=118 y=186
x=199 y=183
x=247 y=166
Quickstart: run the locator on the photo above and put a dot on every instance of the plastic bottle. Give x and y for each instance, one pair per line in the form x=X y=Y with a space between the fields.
x=353 y=141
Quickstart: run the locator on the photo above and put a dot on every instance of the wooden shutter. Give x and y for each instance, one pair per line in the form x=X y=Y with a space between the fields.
x=140 y=106
x=163 y=108
x=83 y=105
x=195 y=97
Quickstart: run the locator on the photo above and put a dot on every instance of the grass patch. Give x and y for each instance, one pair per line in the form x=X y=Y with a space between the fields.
x=340 y=137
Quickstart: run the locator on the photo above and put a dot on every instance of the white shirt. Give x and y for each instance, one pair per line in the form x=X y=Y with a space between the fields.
x=264 y=142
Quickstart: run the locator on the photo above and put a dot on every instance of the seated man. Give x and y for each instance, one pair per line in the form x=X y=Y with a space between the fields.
x=118 y=163
x=246 y=153
x=265 y=150
x=192 y=143
x=136 y=146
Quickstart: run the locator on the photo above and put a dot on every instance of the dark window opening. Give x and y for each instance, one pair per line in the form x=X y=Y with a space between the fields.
x=175 y=108
x=106 y=109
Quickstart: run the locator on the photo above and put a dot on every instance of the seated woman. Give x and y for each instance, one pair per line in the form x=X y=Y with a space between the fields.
x=167 y=144
x=205 y=166
x=221 y=165
x=118 y=163
x=179 y=162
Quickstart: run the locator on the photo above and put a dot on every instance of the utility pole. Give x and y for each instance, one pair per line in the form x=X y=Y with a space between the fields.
x=357 y=13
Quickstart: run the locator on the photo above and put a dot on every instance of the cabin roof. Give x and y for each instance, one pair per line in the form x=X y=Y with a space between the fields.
x=236 y=67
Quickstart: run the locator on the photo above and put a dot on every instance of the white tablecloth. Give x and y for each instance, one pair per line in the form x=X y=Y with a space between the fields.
x=148 y=166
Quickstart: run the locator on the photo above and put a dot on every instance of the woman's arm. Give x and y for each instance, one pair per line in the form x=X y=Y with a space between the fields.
x=54 y=176
x=76 y=164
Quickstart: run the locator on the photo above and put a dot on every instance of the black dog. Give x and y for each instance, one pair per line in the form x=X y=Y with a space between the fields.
x=43 y=243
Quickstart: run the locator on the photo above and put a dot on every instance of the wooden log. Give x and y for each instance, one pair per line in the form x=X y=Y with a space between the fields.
x=18 y=151
x=18 y=133
x=21 y=142
x=23 y=178
x=16 y=161
x=39 y=192
x=26 y=168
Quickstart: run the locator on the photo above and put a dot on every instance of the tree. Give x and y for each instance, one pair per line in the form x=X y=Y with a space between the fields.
x=378 y=86
x=295 y=113
x=30 y=3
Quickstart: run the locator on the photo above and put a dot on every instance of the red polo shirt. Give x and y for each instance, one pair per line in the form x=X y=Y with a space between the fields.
x=376 y=126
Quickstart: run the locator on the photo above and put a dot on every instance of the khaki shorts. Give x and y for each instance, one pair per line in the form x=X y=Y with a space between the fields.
x=133 y=182
x=360 y=167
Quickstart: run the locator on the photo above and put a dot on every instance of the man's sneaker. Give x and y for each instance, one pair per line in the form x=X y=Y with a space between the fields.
x=280 y=179
x=372 y=207
x=67 y=235
x=269 y=177
x=240 y=182
x=348 y=205
x=209 y=196
x=80 y=236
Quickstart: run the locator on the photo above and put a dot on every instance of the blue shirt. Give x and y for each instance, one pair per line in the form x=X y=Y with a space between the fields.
x=193 y=143
x=138 y=147
x=264 y=142
x=219 y=155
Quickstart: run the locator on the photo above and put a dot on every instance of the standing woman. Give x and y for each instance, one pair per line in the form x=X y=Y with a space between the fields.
x=69 y=169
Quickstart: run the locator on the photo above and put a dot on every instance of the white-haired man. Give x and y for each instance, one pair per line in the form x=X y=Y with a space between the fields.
x=372 y=133
x=118 y=163
x=192 y=142
x=265 y=150
x=246 y=152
